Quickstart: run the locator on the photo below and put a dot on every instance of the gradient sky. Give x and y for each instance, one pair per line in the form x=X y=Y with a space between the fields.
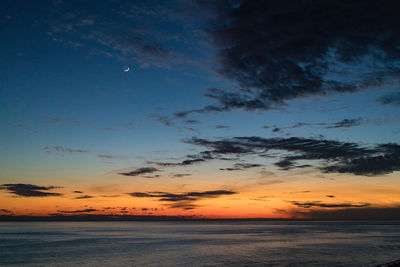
x=230 y=109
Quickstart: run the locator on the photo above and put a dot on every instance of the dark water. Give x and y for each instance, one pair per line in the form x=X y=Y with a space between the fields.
x=199 y=243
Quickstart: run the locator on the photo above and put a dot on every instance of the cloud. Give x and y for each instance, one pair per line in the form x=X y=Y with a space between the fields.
x=29 y=190
x=332 y=156
x=186 y=205
x=319 y=204
x=110 y=195
x=109 y=34
x=77 y=211
x=162 y=196
x=391 y=99
x=191 y=121
x=84 y=197
x=383 y=159
x=182 y=200
x=130 y=31
x=182 y=163
x=62 y=149
x=242 y=166
x=107 y=156
x=179 y=175
x=346 y=123
x=26 y=128
x=140 y=171
x=167 y=121
x=222 y=126
x=151 y=176
x=285 y=164
x=5 y=211
x=77 y=191
x=276 y=51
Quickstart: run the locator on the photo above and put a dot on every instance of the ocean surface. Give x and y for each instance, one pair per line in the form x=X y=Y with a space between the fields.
x=194 y=243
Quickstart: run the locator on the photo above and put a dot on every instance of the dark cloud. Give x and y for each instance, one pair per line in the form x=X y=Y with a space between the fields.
x=77 y=191
x=29 y=190
x=152 y=176
x=191 y=121
x=222 y=126
x=391 y=99
x=77 y=211
x=162 y=196
x=167 y=121
x=182 y=163
x=186 y=205
x=285 y=164
x=331 y=196
x=319 y=204
x=333 y=156
x=282 y=50
x=383 y=159
x=207 y=109
x=84 y=197
x=179 y=175
x=242 y=166
x=346 y=123
x=140 y=171
x=182 y=200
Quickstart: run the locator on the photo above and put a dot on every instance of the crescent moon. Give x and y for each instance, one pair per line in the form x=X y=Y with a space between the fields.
x=126 y=68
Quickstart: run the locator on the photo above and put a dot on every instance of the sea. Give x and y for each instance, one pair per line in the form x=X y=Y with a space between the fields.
x=199 y=243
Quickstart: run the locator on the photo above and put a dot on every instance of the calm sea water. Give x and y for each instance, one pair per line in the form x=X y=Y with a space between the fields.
x=250 y=243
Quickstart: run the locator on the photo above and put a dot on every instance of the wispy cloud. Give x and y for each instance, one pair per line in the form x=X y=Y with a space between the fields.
x=319 y=204
x=179 y=175
x=186 y=162
x=84 y=197
x=128 y=31
x=63 y=149
x=241 y=166
x=108 y=156
x=391 y=99
x=140 y=171
x=78 y=211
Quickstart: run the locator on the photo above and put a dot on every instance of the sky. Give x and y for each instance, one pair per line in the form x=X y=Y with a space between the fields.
x=200 y=109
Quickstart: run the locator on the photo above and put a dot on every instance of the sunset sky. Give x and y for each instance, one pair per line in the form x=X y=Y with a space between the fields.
x=230 y=109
